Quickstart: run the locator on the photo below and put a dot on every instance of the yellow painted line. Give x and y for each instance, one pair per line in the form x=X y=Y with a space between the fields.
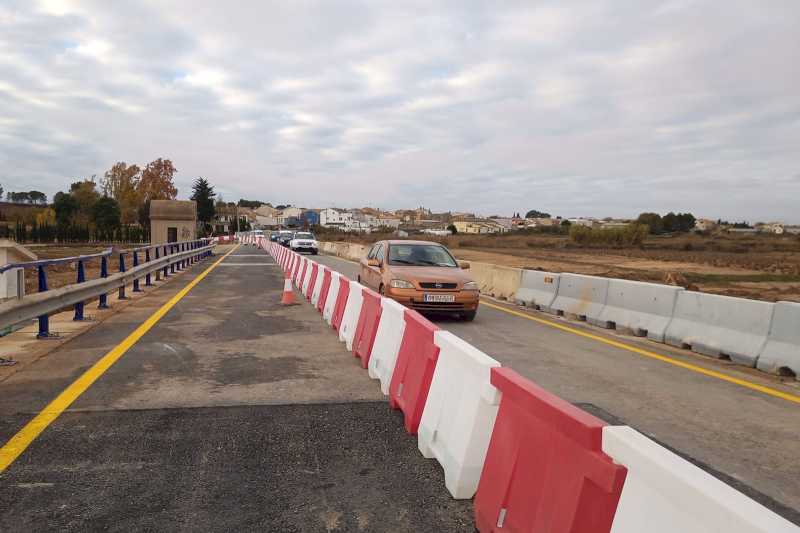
x=20 y=442
x=646 y=353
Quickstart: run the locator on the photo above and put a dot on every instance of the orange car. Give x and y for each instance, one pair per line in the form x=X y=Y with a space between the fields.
x=421 y=275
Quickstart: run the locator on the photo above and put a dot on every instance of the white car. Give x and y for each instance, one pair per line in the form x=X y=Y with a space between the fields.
x=304 y=241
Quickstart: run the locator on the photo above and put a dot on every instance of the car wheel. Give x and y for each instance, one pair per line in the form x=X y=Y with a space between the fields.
x=469 y=316
x=313 y=252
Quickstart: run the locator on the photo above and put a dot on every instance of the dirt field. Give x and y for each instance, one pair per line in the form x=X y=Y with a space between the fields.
x=61 y=275
x=763 y=267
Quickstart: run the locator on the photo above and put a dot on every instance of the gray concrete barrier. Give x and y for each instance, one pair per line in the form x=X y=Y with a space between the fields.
x=720 y=326
x=537 y=289
x=782 y=350
x=582 y=296
x=643 y=308
x=494 y=280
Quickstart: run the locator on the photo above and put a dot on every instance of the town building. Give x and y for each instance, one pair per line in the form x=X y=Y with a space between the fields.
x=172 y=221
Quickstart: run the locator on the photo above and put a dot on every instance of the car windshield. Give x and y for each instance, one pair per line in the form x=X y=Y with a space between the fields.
x=420 y=255
x=303 y=236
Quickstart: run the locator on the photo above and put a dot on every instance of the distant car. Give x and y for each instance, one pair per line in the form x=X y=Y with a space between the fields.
x=273 y=236
x=421 y=275
x=284 y=236
x=304 y=241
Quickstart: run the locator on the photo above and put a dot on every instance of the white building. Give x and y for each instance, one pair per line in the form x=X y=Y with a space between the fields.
x=334 y=218
x=291 y=212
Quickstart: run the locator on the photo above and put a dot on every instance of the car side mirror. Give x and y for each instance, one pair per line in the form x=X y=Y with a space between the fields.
x=373 y=263
x=463 y=265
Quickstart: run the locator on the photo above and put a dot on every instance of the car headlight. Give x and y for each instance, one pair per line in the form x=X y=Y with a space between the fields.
x=401 y=284
x=471 y=286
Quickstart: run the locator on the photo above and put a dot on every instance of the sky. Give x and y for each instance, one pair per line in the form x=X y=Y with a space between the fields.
x=592 y=108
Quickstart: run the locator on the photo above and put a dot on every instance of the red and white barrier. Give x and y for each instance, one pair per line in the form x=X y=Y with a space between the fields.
x=312 y=280
x=317 y=289
x=324 y=290
x=352 y=311
x=387 y=343
x=544 y=470
x=664 y=493
x=367 y=326
x=307 y=267
x=330 y=300
x=296 y=271
x=459 y=413
x=413 y=370
x=341 y=304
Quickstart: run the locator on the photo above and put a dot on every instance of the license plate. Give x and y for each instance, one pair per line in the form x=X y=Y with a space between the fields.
x=440 y=298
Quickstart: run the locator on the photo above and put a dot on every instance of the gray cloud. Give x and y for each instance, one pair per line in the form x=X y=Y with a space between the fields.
x=609 y=108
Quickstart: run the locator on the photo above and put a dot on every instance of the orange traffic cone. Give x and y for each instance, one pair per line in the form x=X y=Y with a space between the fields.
x=288 y=292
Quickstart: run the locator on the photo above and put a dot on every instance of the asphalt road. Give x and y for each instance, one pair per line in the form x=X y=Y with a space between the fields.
x=745 y=437
x=233 y=413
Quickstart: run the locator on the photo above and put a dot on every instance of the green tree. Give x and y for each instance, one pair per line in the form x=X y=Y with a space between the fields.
x=85 y=193
x=66 y=207
x=1 y=192
x=533 y=213
x=106 y=215
x=203 y=194
x=652 y=221
x=566 y=223
x=452 y=229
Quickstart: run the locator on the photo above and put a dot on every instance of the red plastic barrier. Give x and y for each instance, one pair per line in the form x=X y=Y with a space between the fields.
x=544 y=470
x=341 y=303
x=302 y=276
x=413 y=371
x=296 y=268
x=323 y=292
x=367 y=327
x=313 y=280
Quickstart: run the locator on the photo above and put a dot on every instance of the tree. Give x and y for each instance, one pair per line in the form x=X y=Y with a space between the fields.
x=37 y=197
x=653 y=221
x=1 y=191
x=66 y=206
x=156 y=181
x=121 y=183
x=106 y=215
x=686 y=222
x=85 y=193
x=452 y=229
x=566 y=223
x=203 y=194
x=252 y=204
x=533 y=213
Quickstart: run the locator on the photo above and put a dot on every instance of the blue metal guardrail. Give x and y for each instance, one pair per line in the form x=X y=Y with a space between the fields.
x=147 y=253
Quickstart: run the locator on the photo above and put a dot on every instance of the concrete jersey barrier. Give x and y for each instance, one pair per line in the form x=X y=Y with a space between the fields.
x=497 y=281
x=643 y=308
x=664 y=493
x=719 y=326
x=387 y=343
x=537 y=289
x=782 y=350
x=459 y=413
x=583 y=296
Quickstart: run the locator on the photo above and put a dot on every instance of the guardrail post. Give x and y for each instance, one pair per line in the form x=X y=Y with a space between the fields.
x=79 y=305
x=166 y=267
x=171 y=252
x=103 y=303
x=44 y=320
x=135 y=264
x=122 y=269
x=158 y=272
x=147 y=281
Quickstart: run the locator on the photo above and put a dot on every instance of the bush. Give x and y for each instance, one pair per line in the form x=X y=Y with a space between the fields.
x=630 y=235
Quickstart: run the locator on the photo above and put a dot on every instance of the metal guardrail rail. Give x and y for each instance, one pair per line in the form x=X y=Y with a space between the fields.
x=164 y=260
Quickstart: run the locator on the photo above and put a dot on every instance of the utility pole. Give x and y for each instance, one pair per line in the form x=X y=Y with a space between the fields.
x=237 y=218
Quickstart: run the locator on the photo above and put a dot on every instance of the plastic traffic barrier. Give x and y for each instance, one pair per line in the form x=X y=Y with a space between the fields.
x=332 y=295
x=352 y=311
x=312 y=280
x=303 y=276
x=664 y=493
x=316 y=290
x=413 y=371
x=459 y=413
x=545 y=470
x=324 y=288
x=645 y=309
x=782 y=350
x=341 y=303
x=720 y=326
x=297 y=269
x=537 y=289
x=367 y=327
x=387 y=342
x=583 y=296
x=308 y=276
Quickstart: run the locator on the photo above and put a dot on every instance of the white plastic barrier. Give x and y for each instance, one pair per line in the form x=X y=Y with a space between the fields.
x=388 y=337
x=351 y=313
x=307 y=277
x=782 y=350
x=581 y=295
x=644 y=308
x=459 y=414
x=718 y=326
x=297 y=276
x=663 y=493
x=333 y=294
x=317 y=285
x=537 y=289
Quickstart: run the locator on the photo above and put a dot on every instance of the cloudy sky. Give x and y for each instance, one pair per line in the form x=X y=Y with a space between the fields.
x=577 y=108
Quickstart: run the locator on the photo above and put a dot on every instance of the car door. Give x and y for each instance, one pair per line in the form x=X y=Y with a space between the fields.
x=365 y=270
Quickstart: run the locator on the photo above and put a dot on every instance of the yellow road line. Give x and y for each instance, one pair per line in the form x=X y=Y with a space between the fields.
x=646 y=353
x=20 y=442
